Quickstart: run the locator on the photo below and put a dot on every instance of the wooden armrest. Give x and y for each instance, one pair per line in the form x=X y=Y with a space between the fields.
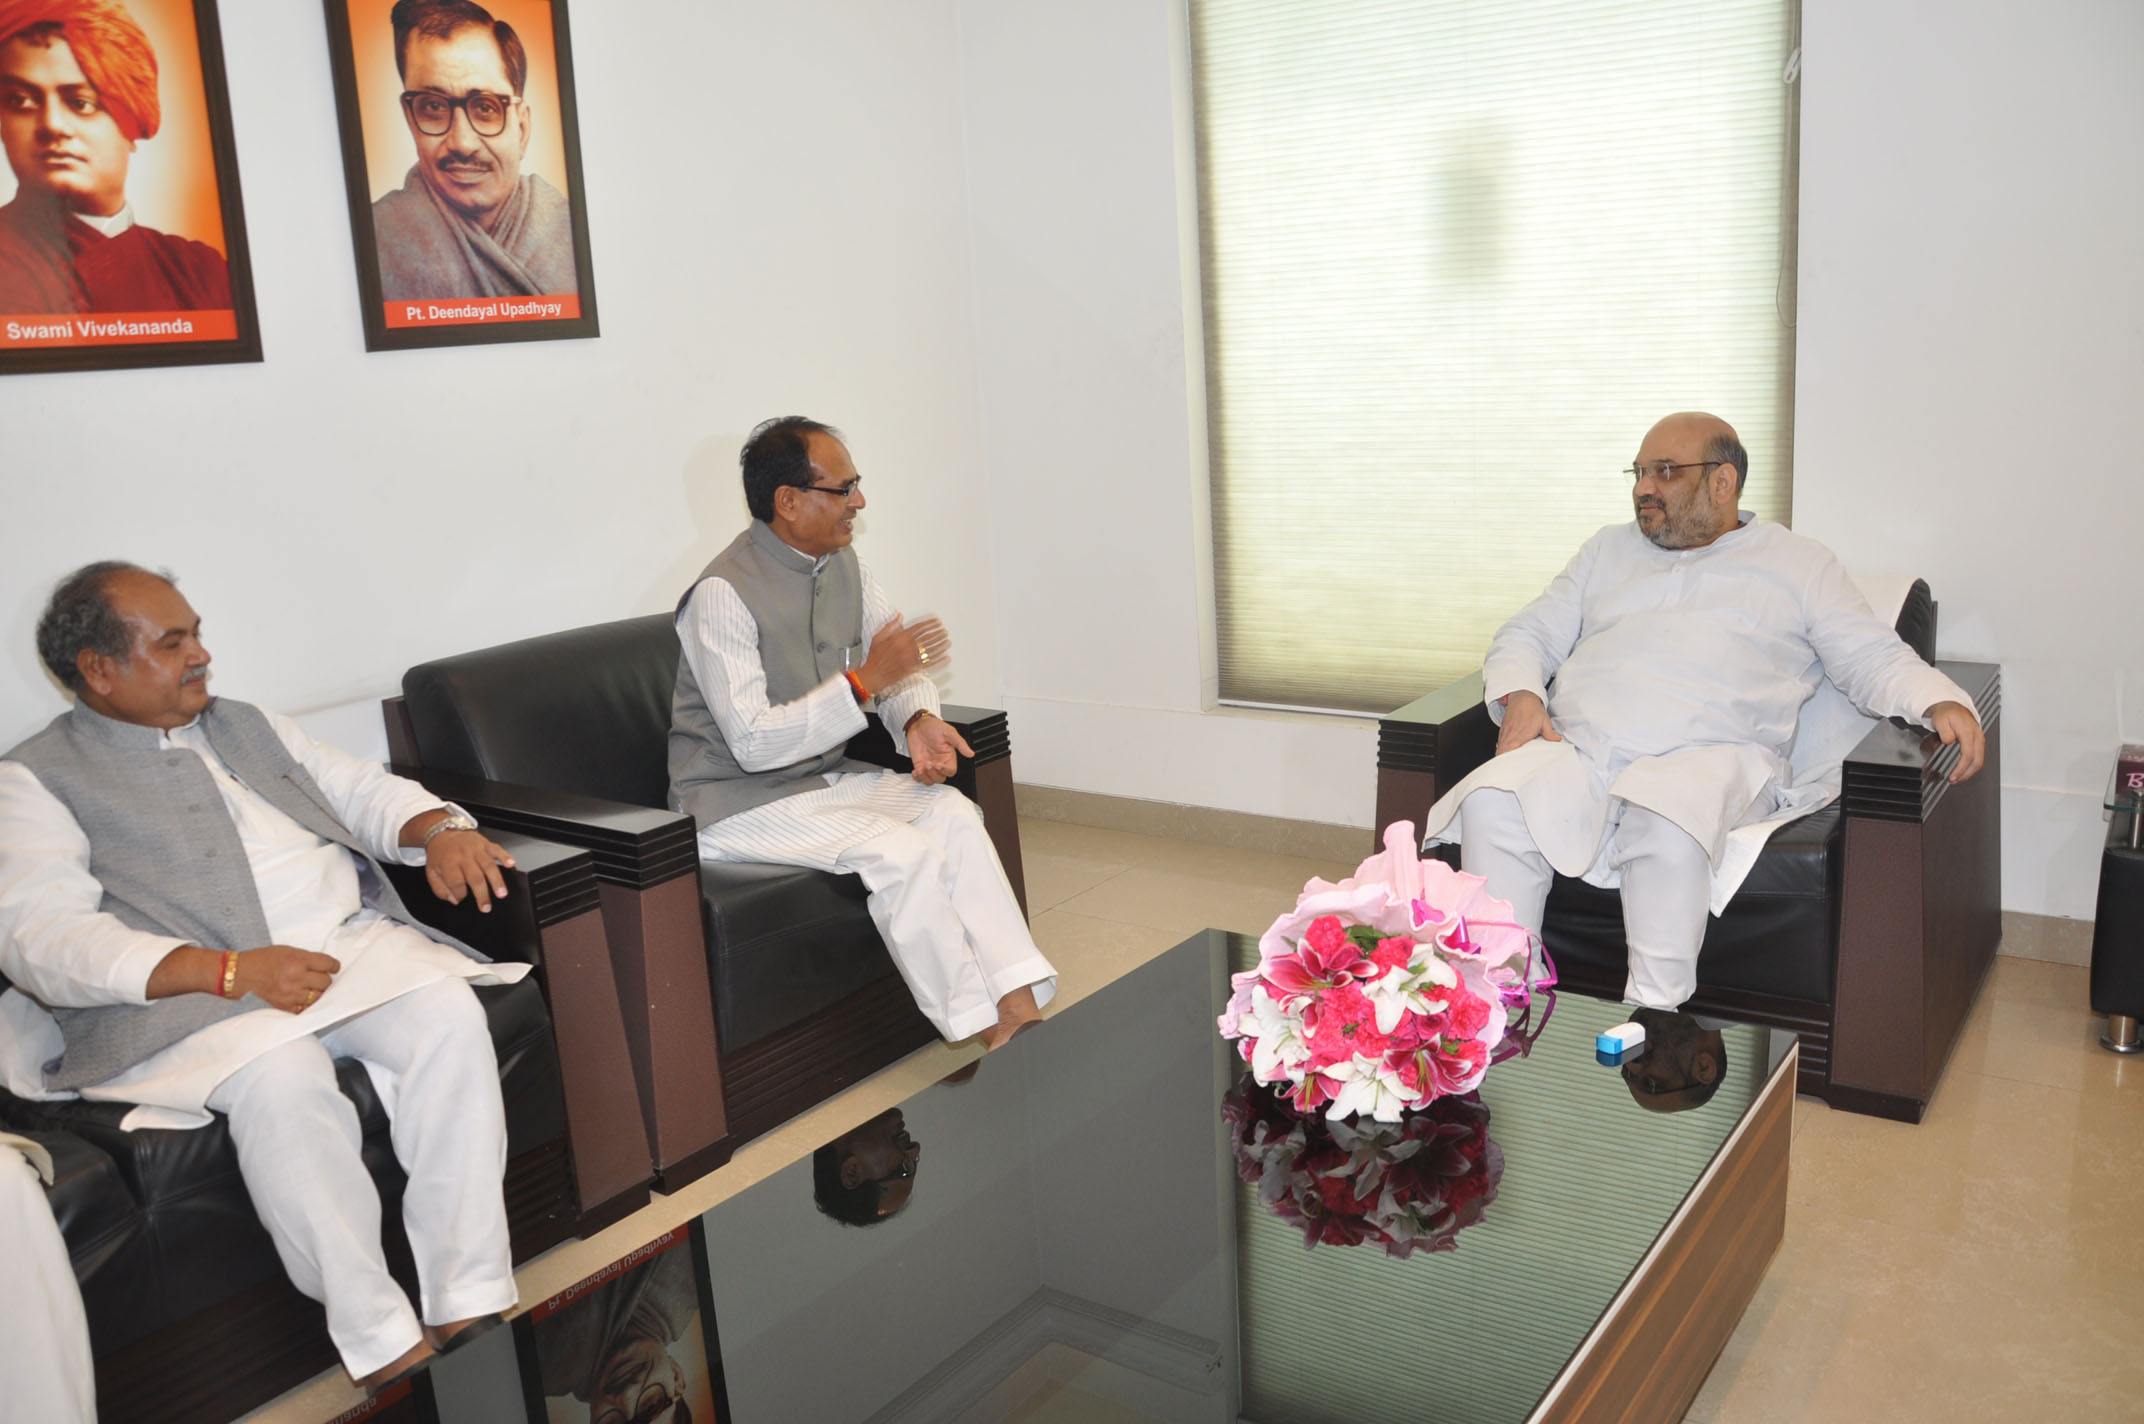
x=985 y=779
x=1425 y=747
x=983 y=728
x=1448 y=703
x=1446 y=733
x=546 y=884
x=637 y=846
x=1901 y=771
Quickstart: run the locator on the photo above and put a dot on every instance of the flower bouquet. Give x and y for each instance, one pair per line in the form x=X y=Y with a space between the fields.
x=1405 y=1186
x=1387 y=991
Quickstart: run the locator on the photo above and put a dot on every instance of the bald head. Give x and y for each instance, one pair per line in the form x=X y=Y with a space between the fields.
x=1714 y=437
x=1690 y=471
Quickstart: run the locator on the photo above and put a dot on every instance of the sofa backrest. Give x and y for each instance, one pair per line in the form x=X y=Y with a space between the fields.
x=1917 y=620
x=586 y=710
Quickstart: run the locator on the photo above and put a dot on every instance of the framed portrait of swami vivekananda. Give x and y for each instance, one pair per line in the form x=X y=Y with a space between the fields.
x=122 y=237
x=461 y=152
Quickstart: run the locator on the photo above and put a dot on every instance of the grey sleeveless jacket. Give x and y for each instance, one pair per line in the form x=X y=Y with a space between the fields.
x=807 y=619
x=170 y=861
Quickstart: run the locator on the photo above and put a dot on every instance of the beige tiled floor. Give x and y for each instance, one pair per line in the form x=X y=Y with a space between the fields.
x=1985 y=1264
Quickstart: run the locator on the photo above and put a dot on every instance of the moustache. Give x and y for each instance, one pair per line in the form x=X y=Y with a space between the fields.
x=193 y=675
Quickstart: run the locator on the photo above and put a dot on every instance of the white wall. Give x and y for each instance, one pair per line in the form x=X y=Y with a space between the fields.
x=1972 y=317
x=1971 y=342
x=963 y=229
x=778 y=226
x=1085 y=239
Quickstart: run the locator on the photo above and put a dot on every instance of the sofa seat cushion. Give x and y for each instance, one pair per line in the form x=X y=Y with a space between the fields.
x=202 y=1242
x=783 y=943
x=158 y=1222
x=107 y=1234
x=1778 y=936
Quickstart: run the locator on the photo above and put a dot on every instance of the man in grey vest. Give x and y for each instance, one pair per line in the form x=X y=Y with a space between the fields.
x=786 y=637
x=193 y=918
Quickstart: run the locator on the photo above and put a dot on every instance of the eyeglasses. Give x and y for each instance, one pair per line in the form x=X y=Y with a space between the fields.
x=433 y=114
x=652 y=1400
x=843 y=490
x=1665 y=470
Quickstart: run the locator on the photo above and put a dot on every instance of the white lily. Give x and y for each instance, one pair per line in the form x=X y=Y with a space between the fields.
x=1370 y=1089
x=1277 y=1036
x=1410 y=988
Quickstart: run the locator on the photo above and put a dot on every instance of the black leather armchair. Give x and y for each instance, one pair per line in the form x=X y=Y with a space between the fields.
x=191 y=1316
x=1866 y=927
x=566 y=737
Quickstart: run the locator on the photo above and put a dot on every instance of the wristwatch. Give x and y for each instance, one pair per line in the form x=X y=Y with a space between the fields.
x=454 y=820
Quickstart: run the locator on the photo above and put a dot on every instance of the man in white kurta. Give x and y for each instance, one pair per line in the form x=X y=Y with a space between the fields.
x=937 y=893
x=1648 y=700
x=336 y=979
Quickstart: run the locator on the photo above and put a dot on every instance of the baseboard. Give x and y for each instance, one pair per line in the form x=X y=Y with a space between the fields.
x=1206 y=825
x=1172 y=1361
x=2051 y=938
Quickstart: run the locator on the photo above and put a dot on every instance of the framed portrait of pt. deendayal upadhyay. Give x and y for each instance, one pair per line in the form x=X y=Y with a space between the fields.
x=122 y=236
x=461 y=154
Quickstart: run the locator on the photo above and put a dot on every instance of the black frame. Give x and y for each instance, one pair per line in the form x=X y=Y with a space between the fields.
x=703 y=1287
x=379 y=336
x=238 y=260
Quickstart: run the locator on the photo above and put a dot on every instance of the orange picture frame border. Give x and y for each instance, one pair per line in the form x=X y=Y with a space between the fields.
x=105 y=341
x=451 y=320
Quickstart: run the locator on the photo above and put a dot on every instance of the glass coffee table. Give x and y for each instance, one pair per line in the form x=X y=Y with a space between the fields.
x=1075 y=1234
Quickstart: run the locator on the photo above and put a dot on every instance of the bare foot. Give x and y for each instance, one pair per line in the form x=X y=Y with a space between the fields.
x=1016 y=1011
x=399 y=1366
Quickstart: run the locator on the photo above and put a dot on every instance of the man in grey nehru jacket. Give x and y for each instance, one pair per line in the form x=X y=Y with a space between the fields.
x=194 y=919
x=786 y=636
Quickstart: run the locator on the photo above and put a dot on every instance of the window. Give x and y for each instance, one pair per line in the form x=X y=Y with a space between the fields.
x=1458 y=256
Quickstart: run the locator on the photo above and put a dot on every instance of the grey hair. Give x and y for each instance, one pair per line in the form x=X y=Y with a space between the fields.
x=1728 y=451
x=79 y=618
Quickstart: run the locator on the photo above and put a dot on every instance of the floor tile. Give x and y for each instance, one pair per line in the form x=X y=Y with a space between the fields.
x=1053 y=879
x=1987 y=1263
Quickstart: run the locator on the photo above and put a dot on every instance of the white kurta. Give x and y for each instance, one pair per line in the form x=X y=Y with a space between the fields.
x=45 y=1369
x=58 y=946
x=938 y=895
x=1678 y=679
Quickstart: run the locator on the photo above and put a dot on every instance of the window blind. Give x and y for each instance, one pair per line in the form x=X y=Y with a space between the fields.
x=1457 y=258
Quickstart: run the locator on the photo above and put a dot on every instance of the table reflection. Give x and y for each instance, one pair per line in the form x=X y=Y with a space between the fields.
x=1682 y=1065
x=866 y=1175
x=1405 y=1186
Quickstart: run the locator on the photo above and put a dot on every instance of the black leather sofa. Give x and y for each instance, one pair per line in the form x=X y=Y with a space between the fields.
x=191 y=1316
x=1865 y=927
x=565 y=736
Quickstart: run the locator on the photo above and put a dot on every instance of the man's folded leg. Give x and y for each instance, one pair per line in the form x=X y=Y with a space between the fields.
x=1495 y=844
x=907 y=875
x=982 y=899
x=1667 y=889
x=449 y=1130
x=297 y=1138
